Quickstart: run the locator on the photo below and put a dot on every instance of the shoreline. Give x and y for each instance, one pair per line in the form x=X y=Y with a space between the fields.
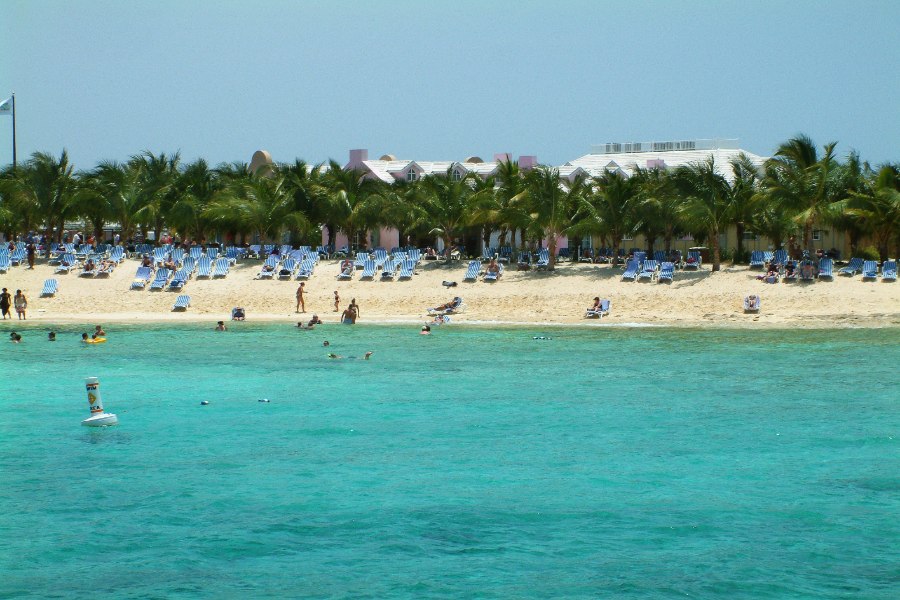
x=270 y=319
x=694 y=300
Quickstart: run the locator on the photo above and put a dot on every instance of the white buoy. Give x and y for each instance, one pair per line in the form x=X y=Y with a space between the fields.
x=98 y=418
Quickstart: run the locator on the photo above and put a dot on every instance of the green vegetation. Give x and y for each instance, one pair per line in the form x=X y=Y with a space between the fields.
x=798 y=190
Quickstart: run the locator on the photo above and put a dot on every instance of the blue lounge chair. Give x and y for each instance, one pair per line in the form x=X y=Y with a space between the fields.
x=472 y=270
x=493 y=276
x=220 y=268
x=179 y=280
x=389 y=269
x=141 y=278
x=631 y=270
x=160 y=255
x=269 y=267
x=212 y=252
x=694 y=260
x=659 y=256
x=666 y=272
x=360 y=261
x=853 y=267
x=543 y=260
x=407 y=268
x=287 y=269
x=195 y=252
x=347 y=271
x=204 y=267
x=757 y=259
x=189 y=265
x=826 y=269
x=451 y=308
x=5 y=263
x=66 y=263
x=117 y=254
x=415 y=255
x=50 y=288
x=307 y=267
x=870 y=270
x=161 y=279
x=781 y=256
x=752 y=304
x=648 y=271
x=368 y=270
x=599 y=312
x=182 y=302
x=889 y=270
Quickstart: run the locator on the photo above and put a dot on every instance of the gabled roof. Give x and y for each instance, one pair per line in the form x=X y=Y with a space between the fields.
x=595 y=164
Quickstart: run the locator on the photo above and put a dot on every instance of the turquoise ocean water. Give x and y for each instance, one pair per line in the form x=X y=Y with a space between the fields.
x=473 y=463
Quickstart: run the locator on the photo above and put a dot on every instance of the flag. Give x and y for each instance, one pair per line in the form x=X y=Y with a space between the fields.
x=6 y=106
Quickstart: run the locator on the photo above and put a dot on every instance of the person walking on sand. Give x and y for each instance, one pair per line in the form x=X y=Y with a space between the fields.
x=21 y=303
x=31 y=251
x=337 y=302
x=301 y=304
x=5 y=303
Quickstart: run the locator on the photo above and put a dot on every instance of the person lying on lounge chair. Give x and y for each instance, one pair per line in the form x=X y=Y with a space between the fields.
x=89 y=265
x=448 y=305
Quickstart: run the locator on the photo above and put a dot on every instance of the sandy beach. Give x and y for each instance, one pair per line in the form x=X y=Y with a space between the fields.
x=694 y=299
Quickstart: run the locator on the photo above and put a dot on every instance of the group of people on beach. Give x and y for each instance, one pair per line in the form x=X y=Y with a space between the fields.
x=19 y=301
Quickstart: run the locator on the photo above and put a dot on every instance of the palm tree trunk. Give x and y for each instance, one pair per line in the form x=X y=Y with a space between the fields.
x=717 y=260
x=739 y=229
x=551 y=247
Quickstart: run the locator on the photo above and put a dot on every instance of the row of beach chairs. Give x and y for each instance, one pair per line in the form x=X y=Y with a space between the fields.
x=649 y=270
x=175 y=280
x=391 y=268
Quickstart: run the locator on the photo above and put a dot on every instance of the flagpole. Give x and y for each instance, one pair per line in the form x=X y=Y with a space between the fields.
x=14 y=129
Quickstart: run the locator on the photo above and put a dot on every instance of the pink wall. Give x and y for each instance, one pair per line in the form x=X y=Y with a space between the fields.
x=340 y=239
x=389 y=237
x=561 y=242
x=528 y=162
x=357 y=157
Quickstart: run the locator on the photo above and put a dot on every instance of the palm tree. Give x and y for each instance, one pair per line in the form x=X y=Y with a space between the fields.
x=124 y=198
x=258 y=204
x=307 y=189
x=351 y=200
x=706 y=201
x=446 y=203
x=45 y=187
x=508 y=214
x=608 y=208
x=158 y=177
x=742 y=206
x=797 y=179
x=878 y=211
x=659 y=207
x=552 y=201
x=195 y=189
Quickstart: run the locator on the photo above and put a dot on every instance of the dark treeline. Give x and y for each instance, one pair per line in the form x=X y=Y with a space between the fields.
x=801 y=188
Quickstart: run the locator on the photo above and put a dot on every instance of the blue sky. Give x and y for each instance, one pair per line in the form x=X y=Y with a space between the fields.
x=444 y=80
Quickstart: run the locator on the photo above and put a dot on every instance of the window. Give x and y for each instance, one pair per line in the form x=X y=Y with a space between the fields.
x=457 y=175
x=749 y=236
x=627 y=238
x=817 y=235
x=411 y=175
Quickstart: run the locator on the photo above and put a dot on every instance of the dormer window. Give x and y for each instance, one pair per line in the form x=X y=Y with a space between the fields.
x=457 y=175
x=411 y=175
